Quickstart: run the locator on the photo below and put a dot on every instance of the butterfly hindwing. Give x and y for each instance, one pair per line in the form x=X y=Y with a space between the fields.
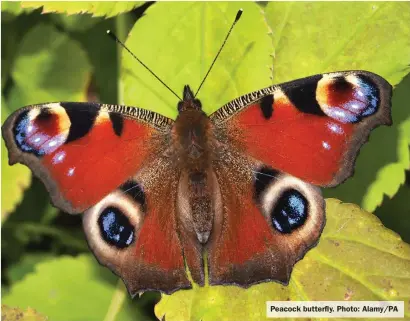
x=83 y=151
x=311 y=128
x=136 y=233
x=269 y=220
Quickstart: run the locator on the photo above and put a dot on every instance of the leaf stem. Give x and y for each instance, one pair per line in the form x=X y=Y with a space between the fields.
x=117 y=301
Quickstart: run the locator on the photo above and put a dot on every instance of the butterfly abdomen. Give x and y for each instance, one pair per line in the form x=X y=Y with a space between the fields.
x=200 y=200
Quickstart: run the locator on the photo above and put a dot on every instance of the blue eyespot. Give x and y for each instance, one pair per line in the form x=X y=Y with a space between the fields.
x=290 y=212
x=20 y=130
x=115 y=227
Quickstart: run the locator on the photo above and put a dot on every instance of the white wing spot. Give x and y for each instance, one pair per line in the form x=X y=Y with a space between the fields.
x=325 y=145
x=71 y=171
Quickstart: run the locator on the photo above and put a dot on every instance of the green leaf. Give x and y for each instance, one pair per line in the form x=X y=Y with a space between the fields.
x=381 y=171
x=26 y=232
x=96 y=8
x=15 y=314
x=105 y=62
x=14 y=179
x=9 y=42
x=317 y=37
x=12 y=31
x=395 y=212
x=14 y=7
x=76 y=23
x=44 y=70
x=180 y=47
x=71 y=288
x=19 y=270
x=337 y=269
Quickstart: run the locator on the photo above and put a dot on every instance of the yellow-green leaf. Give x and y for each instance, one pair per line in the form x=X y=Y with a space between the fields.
x=356 y=259
x=179 y=40
x=316 y=37
x=96 y=8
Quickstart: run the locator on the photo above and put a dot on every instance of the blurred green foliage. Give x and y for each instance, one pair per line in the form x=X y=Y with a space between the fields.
x=54 y=57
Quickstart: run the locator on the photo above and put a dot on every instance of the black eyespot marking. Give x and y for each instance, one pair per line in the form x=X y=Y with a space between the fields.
x=135 y=190
x=290 y=212
x=117 y=123
x=267 y=106
x=82 y=117
x=341 y=85
x=44 y=116
x=263 y=177
x=302 y=94
x=115 y=228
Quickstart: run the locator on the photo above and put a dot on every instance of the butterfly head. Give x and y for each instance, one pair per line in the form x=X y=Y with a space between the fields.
x=189 y=102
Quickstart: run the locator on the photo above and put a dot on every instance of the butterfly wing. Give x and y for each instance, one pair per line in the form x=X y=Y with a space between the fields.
x=110 y=160
x=277 y=142
x=135 y=232
x=311 y=128
x=83 y=151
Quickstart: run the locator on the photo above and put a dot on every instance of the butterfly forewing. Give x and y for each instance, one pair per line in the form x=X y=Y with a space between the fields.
x=83 y=151
x=311 y=128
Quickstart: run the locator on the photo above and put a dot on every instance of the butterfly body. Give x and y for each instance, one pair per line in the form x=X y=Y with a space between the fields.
x=193 y=140
x=241 y=184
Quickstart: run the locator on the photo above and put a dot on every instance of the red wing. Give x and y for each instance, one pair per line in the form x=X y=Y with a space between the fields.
x=134 y=231
x=269 y=221
x=82 y=151
x=311 y=128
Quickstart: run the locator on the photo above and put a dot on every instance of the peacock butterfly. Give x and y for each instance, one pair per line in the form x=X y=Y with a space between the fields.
x=238 y=188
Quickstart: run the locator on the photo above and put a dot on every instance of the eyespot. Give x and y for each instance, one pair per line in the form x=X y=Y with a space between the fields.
x=20 y=132
x=290 y=205
x=41 y=131
x=290 y=211
x=115 y=227
x=112 y=225
x=347 y=98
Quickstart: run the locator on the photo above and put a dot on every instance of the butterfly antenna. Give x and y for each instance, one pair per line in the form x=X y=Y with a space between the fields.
x=113 y=36
x=238 y=15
